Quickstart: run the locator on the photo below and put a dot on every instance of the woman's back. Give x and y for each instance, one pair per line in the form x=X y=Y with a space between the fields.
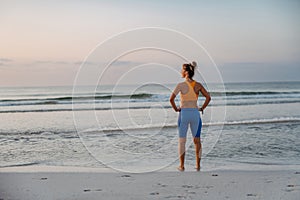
x=188 y=94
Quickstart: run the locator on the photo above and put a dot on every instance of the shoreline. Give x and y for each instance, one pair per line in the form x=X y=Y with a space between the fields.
x=206 y=167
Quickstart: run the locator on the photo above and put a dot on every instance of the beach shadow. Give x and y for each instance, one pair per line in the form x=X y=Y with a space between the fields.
x=161 y=185
x=89 y=190
x=126 y=176
x=154 y=193
x=251 y=195
x=187 y=186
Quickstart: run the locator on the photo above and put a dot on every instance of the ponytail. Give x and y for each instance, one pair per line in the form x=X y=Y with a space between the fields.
x=190 y=68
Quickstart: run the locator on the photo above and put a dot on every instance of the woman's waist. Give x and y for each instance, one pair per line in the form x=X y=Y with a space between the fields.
x=188 y=104
x=189 y=109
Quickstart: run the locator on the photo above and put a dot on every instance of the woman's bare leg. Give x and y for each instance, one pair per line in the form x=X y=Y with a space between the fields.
x=198 y=151
x=181 y=152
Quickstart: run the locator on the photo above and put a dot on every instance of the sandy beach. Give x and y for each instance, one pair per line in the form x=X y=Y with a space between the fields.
x=89 y=183
x=97 y=98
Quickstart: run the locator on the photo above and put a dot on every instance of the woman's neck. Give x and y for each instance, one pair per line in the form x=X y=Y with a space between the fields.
x=189 y=79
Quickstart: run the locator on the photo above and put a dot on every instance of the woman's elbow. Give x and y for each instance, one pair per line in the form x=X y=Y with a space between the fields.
x=208 y=98
x=172 y=98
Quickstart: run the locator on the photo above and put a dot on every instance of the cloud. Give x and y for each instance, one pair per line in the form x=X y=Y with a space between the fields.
x=123 y=62
x=64 y=62
x=51 y=62
x=5 y=62
x=116 y=63
x=47 y=63
x=86 y=63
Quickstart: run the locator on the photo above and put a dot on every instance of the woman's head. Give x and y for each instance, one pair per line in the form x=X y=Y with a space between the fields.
x=188 y=70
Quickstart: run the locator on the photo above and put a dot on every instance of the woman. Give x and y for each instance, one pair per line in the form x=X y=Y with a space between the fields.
x=189 y=111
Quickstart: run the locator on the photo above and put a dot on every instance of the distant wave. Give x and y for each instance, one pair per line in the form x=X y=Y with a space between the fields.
x=159 y=126
x=257 y=102
x=69 y=99
x=257 y=121
x=78 y=109
x=213 y=104
x=252 y=93
x=142 y=96
x=21 y=164
x=88 y=97
x=114 y=131
x=235 y=98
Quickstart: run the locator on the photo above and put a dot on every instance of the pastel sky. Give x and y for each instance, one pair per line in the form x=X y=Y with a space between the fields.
x=44 y=42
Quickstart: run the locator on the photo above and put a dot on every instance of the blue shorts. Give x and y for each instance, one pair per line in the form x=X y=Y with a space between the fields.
x=189 y=116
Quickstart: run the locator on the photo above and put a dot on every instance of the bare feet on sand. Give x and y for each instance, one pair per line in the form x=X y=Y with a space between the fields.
x=180 y=168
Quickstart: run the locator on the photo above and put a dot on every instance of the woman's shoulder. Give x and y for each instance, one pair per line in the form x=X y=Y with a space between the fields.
x=181 y=84
x=198 y=85
x=184 y=84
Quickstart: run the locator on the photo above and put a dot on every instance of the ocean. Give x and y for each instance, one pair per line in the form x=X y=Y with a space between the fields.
x=133 y=128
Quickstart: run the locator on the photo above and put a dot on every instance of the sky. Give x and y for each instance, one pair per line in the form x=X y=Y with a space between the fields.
x=44 y=43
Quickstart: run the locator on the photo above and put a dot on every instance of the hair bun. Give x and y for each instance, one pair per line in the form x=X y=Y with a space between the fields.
x=194 y=64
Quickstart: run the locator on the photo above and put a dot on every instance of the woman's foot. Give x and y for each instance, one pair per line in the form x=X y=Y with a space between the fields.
x=180 y=168
x=198 y=160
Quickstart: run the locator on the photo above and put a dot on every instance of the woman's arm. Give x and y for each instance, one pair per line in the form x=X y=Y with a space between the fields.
x=207 y=98
x=172 y=101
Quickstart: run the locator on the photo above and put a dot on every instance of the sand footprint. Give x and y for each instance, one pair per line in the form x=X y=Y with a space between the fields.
x=290 y=187
x=154 y=193
x=187 y=186
x=89 y=190
x=251 y=195
x=161 y=185
x=126 y=176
